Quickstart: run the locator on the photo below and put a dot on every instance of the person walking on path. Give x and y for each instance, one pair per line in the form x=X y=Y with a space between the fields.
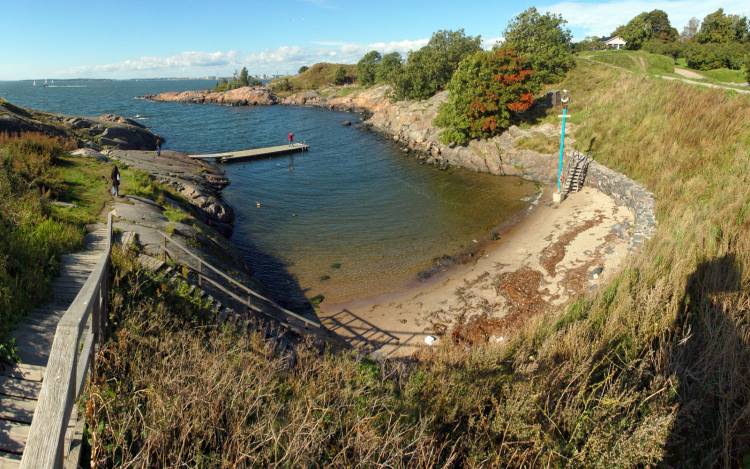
x=158 y=146
x=290 y=137
x=115 y=181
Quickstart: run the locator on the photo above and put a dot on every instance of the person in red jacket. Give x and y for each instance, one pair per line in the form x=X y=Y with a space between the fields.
x=290 y=137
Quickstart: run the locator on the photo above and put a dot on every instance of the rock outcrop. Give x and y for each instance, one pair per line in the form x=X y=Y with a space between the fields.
x=197 y=182
x=410 y=124
x=244 y=96
x=107 y=131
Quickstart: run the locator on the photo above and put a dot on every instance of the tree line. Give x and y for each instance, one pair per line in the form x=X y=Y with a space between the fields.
x=238 y=80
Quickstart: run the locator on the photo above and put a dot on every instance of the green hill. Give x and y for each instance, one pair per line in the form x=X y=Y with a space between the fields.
x=317 y=76
x=635 y=61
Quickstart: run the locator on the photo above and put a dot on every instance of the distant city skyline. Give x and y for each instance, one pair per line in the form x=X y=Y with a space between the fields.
x=140 y=39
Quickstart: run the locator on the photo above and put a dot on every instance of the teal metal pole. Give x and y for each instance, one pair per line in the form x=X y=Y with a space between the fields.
x=562 y=148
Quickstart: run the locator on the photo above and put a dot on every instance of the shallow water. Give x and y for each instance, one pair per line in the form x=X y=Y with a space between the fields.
x=351 y=218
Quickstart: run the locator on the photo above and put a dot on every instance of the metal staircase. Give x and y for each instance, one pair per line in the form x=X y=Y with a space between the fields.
x=575 y=172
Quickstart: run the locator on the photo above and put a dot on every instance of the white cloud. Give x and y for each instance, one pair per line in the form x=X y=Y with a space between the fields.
x=600 y=19
x=284 y=59
x=183 y=61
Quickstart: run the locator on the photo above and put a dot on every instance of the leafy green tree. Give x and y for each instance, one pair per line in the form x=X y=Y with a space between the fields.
x=718 y=27
x=244 y=78
x=647 y=26
x=747 y=68
x=388 y=68
x=340 y=78
x=430 y=68
x=303 y=69
x=367 y=67
x=714 y=55
x=544 y=41
x=486 y=90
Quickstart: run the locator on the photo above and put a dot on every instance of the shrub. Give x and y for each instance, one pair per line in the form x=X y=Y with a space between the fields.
x=388 y=68
x=303 y=69
x=367 y=68
x=712 y=55
x=430 y=68
x=341 y=78
x=485 y=91
x=673 y=49
x=747 y=68
x=544 y=41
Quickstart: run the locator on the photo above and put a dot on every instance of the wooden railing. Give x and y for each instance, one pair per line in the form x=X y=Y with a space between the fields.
x=78 y=333
x=244 y=295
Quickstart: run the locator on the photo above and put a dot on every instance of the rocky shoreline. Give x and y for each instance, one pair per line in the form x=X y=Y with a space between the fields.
x=244 y=96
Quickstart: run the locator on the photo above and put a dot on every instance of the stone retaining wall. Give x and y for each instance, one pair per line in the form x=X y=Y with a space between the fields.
x=630 y=194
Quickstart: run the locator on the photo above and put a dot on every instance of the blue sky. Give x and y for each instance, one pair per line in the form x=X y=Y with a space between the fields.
x=136 y=38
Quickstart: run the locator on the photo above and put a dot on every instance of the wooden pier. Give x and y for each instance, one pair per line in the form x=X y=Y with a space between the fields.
x=230 y=156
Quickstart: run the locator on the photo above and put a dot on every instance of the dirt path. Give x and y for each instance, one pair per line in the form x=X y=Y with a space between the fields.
x=707 y=85
x=549 y=257
x=688 y=73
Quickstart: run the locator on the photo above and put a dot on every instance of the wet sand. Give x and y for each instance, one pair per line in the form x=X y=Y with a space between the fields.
x=549 y=257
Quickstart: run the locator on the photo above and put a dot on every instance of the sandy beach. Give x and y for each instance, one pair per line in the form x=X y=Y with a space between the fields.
x=549 y=257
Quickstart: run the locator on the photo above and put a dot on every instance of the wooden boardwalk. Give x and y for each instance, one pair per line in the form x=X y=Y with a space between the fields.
x=266 y=152
x=20 y=385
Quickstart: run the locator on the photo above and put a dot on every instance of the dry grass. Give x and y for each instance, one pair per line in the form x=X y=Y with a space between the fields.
x=652 y=370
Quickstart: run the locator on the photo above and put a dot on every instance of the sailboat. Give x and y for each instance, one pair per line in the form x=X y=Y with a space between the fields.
x=34 y=82
x=45 y=83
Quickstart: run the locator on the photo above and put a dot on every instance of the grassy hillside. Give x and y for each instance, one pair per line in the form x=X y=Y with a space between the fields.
x=653 y=369
x=317 y=76
x=635 y=61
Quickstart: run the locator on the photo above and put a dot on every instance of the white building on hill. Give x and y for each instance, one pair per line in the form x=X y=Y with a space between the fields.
x=616 y=42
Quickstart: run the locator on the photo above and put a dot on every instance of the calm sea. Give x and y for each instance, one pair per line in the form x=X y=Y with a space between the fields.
x=351 y=218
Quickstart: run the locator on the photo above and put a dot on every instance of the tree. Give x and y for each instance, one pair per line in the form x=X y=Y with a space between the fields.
x=720 y=28
x=646 y=26
x=303 y=69
x=388 y=68
x=690 y=29
x=341 y=78
x=588 y=44
x=747 y=68
x=486 y=90
x=244 y=79
x=430 y=68
x=544 y=40
x=367 y=68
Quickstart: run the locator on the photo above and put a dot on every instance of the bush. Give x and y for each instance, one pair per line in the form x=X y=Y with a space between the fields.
x=31 y=239
x=544 y=41
x=430 y=68
x=341 y=78
x=388 y=68
x=747 y=68
x=712 y=55
x=485 y=91
x=367 y=68
x=673 y=49
x=303 y=69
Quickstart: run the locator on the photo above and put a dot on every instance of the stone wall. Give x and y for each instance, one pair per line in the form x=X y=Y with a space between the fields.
x=630 y=194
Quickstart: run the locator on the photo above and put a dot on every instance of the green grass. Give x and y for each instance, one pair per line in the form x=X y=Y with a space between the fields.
x=725 y=75
x=539 y=143
x=635 y=61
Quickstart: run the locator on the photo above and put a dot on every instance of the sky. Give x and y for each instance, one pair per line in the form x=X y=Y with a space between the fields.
x=187 y=38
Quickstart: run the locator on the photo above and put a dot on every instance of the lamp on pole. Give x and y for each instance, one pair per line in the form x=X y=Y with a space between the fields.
x=565 y=100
